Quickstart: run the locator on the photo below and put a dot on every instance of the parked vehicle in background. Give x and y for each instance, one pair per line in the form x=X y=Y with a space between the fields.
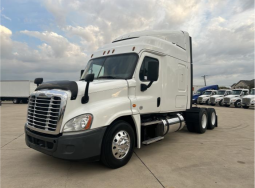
x=205 y=98
x=201 y=91
x=235 y=98
x=218 y=98
x=249 y=100
x=125 y=98
x=16 y=91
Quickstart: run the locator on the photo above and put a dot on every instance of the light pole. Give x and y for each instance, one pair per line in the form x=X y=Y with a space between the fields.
x=204 y=78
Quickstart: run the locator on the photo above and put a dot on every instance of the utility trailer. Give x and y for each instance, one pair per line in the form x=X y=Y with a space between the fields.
x=17 y=91
x=132 y=93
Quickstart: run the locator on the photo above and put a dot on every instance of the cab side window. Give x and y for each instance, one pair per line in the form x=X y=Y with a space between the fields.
x=144 y=68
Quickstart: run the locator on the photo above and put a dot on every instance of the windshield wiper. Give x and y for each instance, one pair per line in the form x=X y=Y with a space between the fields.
x=109 y=77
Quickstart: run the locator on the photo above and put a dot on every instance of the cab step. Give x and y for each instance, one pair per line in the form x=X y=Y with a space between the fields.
x=152 y=140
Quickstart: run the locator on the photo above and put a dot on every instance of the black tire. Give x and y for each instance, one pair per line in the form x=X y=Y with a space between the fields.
x=207 y=102
x=107 y=156
x=193 y=119
x=15 y=101
x=238 y=104
x=212 y=104
x=245 y=107
x=200 y=127
x=212 y=118
x=227 y=105
x=220 y=103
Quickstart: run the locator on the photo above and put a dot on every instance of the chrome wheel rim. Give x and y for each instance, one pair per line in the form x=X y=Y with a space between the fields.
x=213 y=118
x=120 y=144
x=204 y=121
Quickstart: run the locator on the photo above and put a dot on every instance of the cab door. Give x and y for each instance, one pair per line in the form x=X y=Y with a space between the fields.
x=149 y=100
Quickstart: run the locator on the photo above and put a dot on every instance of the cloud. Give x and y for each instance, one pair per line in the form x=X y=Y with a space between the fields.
x=55 y=58
x=222 y=34
x=4 y=16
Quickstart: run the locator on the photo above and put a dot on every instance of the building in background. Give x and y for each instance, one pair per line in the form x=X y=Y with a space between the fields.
x=246 y=84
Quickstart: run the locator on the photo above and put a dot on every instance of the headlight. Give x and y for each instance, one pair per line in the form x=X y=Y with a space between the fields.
x=79 y=123
x=253 y=101
x=233 y=100
x=217 y=99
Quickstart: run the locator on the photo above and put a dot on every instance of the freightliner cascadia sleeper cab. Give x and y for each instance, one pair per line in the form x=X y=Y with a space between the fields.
x=132 y=93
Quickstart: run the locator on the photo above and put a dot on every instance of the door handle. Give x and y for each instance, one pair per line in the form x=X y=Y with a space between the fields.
x=158 y=101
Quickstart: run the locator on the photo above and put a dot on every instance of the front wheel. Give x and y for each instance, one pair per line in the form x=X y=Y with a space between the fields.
x=238 y=104
x=118 y=144
x=221 y=103
x=207 y=102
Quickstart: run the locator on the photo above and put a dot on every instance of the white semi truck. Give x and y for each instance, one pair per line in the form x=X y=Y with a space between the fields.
x=131 y=93
x=218 y=98
x=205 y=98
x=249 y=100
x=235 y=99
x=16 y=91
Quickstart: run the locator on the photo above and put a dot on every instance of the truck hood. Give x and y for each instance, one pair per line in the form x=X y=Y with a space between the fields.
x=249 y=97
x=233 y=96
x=217 y=96
x=205 y=96
x=100 y=85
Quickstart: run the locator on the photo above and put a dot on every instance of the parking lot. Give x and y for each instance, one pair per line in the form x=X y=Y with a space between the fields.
x=223 y=157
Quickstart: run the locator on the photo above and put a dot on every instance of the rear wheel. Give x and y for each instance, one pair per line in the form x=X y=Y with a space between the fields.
x=118 y=144
x=196 y=120
x=201 y=126
x=227 y=105
x=212 y=118
x=15 y=101
x=245 y=107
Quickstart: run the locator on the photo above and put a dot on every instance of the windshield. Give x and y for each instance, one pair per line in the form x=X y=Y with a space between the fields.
x=221 y=92
x=112 y=67
x=252 y=92
x=208 y=93
x=236 y=92
x=198 y=92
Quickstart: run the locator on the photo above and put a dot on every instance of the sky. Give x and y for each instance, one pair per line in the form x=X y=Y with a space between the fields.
x=54 y=39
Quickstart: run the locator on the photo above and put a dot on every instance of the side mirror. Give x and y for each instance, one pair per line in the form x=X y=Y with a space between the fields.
x=89 y=78
x=152 y=75
x=82 y=71
x=38 y=81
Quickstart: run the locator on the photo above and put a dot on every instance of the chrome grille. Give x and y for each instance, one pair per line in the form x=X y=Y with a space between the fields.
x=212 y=99
x=43 y=112
x=199 y=99
x=227 y=100
x=246 y=101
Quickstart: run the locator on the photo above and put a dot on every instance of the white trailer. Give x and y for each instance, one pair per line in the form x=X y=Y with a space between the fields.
x=17 y=91
x=132 y=93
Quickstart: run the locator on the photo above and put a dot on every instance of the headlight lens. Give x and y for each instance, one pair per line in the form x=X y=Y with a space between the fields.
x=79 y=123
x=253 y=101
x=233 y=100
x=217 y=99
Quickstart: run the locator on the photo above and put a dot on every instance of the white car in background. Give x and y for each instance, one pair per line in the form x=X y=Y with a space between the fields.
x=218 y=98
x=249 y=100
x=204 y=99
x=235 y=99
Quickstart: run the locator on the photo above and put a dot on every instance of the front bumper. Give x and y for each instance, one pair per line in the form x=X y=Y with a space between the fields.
x=73 y=147
x=250 y=105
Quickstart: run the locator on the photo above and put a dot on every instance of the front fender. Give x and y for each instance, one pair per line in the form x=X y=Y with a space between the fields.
x=105 y=106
